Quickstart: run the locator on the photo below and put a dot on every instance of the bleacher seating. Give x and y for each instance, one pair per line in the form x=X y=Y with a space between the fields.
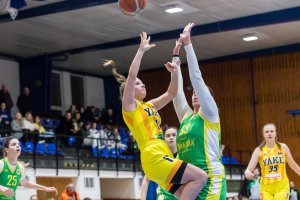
x=29 y=147
x=40 y=148
x=226 y=160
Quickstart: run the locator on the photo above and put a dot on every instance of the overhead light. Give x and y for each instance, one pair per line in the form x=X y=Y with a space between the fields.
x=249 y=37
x=174 y=10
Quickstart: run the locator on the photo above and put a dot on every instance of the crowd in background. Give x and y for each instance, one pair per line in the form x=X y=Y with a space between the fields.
x=85 y=126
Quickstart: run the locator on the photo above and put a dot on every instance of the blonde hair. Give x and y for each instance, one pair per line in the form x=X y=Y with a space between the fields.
x=264 y=141
x=119 y=77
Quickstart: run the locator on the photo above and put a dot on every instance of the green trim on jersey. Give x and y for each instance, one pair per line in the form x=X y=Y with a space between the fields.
x=198 y=143
x=214 y=189
x=164 y=195
x=10 y=178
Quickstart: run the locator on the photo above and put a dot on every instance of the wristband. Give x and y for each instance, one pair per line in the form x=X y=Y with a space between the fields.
x=175 y=59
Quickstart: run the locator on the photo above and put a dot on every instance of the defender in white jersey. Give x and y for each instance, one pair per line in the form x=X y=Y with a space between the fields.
x=199 y=135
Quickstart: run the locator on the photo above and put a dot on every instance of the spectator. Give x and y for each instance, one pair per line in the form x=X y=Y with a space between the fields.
x=70 y=193
x=28 y=122
x=72 y=110
x=17 y=126
x=254 y=185
x=104 y=134
x=244 y=192
x=66 y=128
x=24 y=102
x=5 y=117
x=6 y=98
x=132 y=147
x=294 y=192
x=37 y=125
x=93 y=133
x=115 y=139
x=109 y=117
x=78 y=122
x=81 y=111
x=33 y=197
x=90 y=114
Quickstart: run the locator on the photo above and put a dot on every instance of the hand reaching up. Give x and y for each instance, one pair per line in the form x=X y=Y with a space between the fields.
x=171 y=67
x=177 y=47
x=144 y=45
x=185 y=36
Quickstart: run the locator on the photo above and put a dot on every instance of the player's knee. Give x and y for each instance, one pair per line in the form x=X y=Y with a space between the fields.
x=202 y=176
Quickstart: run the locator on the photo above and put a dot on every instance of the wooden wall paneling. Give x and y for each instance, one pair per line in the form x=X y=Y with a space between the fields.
x=59 y=183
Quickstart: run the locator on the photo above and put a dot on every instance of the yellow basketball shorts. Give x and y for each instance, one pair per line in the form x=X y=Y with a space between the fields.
x=160 y=166
x=275 y=191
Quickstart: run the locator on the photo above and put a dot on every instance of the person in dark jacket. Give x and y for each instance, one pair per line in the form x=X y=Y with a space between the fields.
x=5 y=97
x=24 y=102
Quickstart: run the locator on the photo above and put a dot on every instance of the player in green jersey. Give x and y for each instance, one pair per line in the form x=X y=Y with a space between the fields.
x=199 y=135
x=12 y=172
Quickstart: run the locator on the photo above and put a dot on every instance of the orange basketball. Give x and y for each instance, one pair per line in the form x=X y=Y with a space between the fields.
x=132 y=7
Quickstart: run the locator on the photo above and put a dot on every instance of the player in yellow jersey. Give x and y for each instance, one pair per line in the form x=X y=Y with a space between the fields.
x=12 y=172
x=272 y=157
x=177 y=177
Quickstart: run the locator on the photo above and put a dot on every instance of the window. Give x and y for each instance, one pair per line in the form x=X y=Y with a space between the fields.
x=77 y=90
x=55 y=90
x=89 y=182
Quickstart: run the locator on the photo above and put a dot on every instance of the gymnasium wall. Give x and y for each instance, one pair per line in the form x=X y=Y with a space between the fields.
x=9 y=74
x=93 y=89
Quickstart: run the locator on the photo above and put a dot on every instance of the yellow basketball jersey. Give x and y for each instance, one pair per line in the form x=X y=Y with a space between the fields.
x=272 y=162
x=144 y=123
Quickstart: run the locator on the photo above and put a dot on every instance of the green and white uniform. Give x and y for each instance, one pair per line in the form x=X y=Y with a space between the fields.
x=10 y=177
x=199 y=135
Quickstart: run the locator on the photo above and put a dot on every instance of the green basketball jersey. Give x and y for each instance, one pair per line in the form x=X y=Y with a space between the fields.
x=10 y=179
x=198 y=143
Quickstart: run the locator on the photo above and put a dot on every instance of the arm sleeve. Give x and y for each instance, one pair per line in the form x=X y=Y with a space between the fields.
x=208 y=106
x=180 y=104
x=1 y=166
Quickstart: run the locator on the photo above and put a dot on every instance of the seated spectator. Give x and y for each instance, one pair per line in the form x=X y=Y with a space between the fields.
x=17 y=126
x=109 y=117
x=66 y=128
x=37 y=125
x=5 y=117
x=28 y=122
x=82 y=111
x=6 y=98
x=29 y=128
x=132 y=147
x=115 y=140
x=44 y=135
x=90 y=114
x=73 y=110
x=78 y=122
x=93 y=137
x=84 y=131
x=104 y=134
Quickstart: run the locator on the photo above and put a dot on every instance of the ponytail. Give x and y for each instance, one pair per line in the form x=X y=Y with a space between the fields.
x=119 y=77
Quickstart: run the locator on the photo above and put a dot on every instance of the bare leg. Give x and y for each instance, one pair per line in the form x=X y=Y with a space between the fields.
x=193 y=181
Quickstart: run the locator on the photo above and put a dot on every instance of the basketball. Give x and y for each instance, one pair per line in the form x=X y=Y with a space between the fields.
x=132 y=7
